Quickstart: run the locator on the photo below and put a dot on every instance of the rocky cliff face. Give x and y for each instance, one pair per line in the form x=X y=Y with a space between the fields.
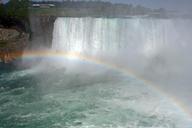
x=13 y=40
x=12 y=44
x=42 y=29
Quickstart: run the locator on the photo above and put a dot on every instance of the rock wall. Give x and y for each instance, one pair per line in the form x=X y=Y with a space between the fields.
x=13 y=40
x=12 y=44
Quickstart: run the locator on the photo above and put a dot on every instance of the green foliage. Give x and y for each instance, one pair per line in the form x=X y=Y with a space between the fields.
x=2 y=10
x=15 y=13
x=17 y=9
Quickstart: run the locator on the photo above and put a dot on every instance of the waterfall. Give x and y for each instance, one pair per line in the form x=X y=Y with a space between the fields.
x=96 y=35
x=157 y=49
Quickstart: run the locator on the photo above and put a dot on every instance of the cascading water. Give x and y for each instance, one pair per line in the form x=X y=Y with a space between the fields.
x=147 y=36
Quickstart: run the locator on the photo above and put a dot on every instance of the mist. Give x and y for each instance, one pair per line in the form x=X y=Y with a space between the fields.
x=156 y=50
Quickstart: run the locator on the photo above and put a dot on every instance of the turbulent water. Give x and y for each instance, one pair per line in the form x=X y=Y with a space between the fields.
x=100 y=98
x=65 y=92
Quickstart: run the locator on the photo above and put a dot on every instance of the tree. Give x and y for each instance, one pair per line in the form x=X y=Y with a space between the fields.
x=15 y=13
x=18 y=9
x=2 y=10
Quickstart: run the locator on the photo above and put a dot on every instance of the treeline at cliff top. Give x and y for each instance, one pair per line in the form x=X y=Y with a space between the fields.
x=20 y=9
x=90 y=8
x=15 y=14
x=15 y=9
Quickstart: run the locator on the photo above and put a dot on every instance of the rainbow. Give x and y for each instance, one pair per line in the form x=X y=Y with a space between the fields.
x=95 y=60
